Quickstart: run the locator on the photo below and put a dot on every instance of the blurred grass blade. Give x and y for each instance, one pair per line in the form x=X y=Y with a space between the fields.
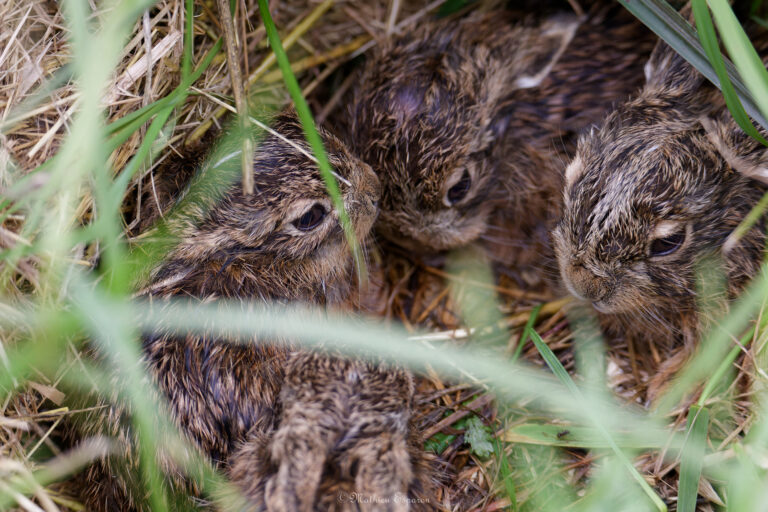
x=663 y=20
x=754 y=215
x=310 y=131
x=709 y=41
x=570 y=436
x=724 y=366
x=561 y=373
x=505 y=473
x=716 y=343
x=692 y=458
x=140 y=116
x=123 y=179
x=310 y=327
x=60 y=77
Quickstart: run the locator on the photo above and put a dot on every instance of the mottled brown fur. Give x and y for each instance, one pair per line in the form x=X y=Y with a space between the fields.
x=355 y=425
x=496 y=99
x=662 y=172
x=255 y=409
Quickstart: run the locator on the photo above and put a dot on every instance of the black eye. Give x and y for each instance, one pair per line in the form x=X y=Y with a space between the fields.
x=311 y=218
x=667 y=245
x=459 y=191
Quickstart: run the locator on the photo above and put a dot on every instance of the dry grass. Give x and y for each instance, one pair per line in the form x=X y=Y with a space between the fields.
x=324 y=38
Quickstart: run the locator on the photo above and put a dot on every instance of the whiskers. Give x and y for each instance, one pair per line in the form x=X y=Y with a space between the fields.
x=504 y=241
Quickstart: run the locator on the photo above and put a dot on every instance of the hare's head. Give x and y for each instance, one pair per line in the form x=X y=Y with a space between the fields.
x=648 y=195
x=287 y=231
x=426 y=115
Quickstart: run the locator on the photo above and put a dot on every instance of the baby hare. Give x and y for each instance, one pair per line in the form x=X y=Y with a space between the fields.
x=654 y=192
x=466 y=122
x=281 y=423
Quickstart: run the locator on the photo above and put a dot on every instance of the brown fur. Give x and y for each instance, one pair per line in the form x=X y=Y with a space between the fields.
x=661 y=166
x=281 y=423
x=348 y=417
x=499 y=100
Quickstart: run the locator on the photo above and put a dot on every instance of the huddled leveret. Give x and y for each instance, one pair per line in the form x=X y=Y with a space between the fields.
x=654 y=196
x=289 y=427
x=468 y=124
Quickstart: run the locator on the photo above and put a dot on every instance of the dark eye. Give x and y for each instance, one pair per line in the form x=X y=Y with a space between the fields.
x=311 y=218
x=459 y=191
x=667 y=245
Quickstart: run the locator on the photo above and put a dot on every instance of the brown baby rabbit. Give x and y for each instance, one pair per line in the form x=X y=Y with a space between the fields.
x=281 y=423
x=659 y=188
x=466 y=118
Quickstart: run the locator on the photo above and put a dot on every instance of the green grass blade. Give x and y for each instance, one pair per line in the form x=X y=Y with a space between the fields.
x=526 y=332
x=562 y=375
x=741 y=51
x=554 y=364
x=505 y=473
x=571 y=436
x=677 y=33
x=692 y=458
x=754 y=215
x=189 y=37
x=310 y=130
x=716 y=344
x=711 y=46
x=124 y=178
x=128 y=124
x=726 y=363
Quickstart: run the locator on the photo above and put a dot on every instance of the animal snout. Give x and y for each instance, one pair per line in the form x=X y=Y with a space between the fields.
x=584 y=284
x=370 y=187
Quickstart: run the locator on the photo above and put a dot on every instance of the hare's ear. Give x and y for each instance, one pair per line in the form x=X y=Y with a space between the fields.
x=667 y=70
x=552 y=39
x=737 y=148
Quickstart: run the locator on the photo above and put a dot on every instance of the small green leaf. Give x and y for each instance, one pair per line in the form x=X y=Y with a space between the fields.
x=479 y=437
x=451 y=6
x=439 y=442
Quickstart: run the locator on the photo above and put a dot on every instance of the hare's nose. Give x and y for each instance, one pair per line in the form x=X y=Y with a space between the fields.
x=372 y=188
x=597 y=289
x=595 y=293
x=588 y=285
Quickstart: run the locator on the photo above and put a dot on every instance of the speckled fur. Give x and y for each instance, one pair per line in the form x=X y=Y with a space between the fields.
x=662 y=162
x=462 y=95
x=426 y=107
x=281 y=423
x=354 y=425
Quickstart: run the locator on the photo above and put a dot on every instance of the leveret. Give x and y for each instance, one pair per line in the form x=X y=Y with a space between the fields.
x=652 y=197
x=287 y=426
x=467 y=123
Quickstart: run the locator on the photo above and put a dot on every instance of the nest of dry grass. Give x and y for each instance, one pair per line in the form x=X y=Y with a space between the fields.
x=325 y=42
